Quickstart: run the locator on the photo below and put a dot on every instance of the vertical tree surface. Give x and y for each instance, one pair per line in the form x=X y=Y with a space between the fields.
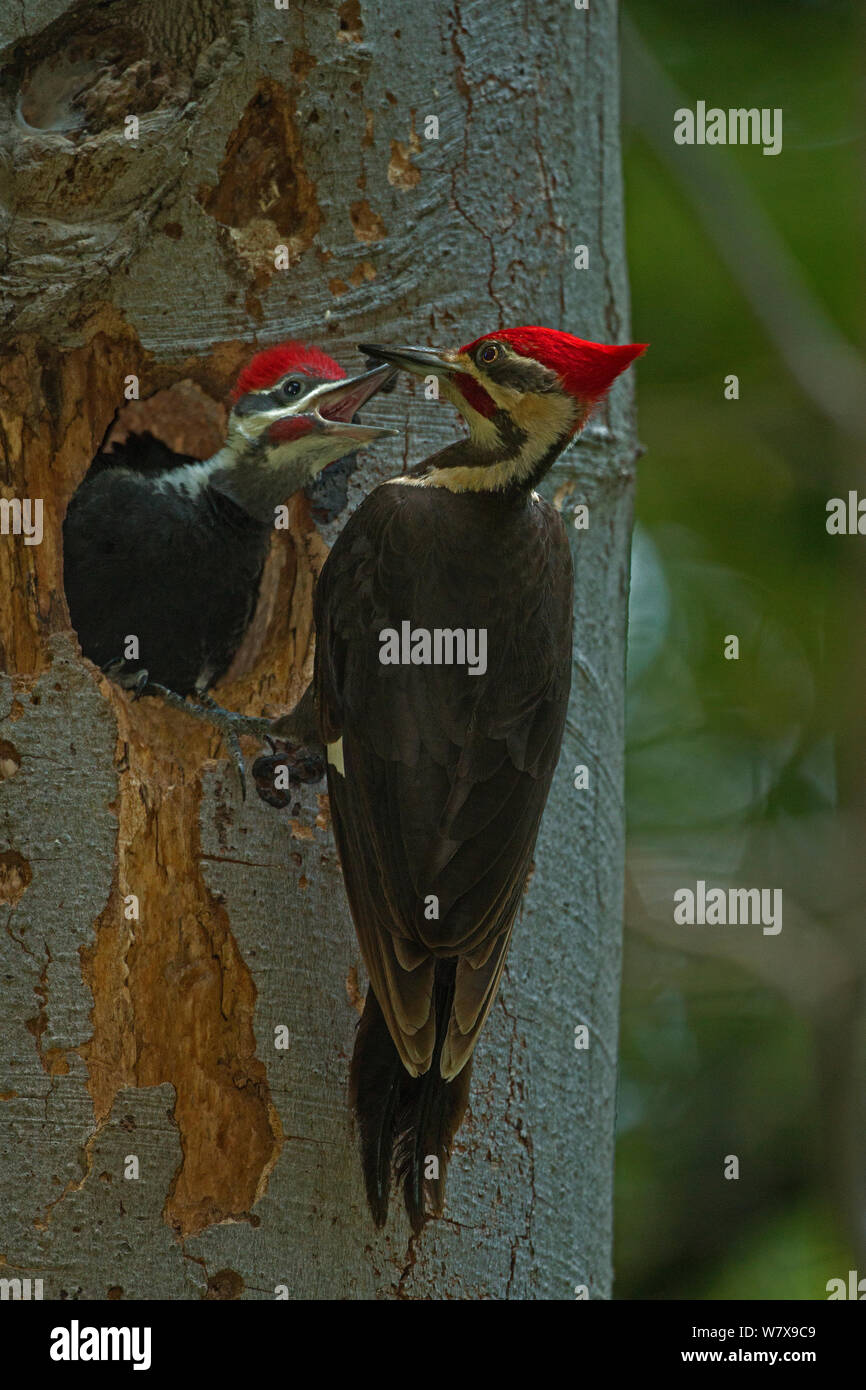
x=142 y=1037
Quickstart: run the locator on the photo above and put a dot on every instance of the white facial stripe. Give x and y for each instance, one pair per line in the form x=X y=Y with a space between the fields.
x=503 y=395
x=544 y=417
x=314 y=397
x=492 y=478
x=252 y=427
x=506 y=397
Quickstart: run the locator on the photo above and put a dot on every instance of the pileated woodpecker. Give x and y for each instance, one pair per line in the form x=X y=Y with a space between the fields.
x=169 y=550
x=438 y=772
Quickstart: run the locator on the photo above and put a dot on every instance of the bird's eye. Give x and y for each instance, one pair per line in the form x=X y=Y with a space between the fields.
x=289 y=389
x=489 y=353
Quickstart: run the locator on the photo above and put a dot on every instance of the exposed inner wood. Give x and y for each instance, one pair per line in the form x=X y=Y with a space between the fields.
x=173 y=999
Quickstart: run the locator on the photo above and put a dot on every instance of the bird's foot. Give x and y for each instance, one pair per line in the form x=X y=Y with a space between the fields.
x=114 y=669
x=286 y=767
x=135 y=682
x=228 y=722
x=139 y=685
x=295 y=757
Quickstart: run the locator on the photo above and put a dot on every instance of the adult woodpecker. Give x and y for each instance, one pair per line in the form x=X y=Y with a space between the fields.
x=169 y=549
x=438 y=773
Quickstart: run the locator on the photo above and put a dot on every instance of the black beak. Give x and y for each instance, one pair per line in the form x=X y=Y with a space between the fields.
x=417 y=360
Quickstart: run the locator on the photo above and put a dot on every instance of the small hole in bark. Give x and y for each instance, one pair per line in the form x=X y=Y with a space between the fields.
x=351 y=26
x=225 y=1284
x=16 y=876
x=93 y=84
x=10 y=760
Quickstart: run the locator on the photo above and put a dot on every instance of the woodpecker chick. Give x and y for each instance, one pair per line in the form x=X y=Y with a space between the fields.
x=439 y=768
x=169 y=550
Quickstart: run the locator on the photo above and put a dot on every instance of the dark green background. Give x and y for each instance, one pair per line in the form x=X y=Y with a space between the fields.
x=748 y=772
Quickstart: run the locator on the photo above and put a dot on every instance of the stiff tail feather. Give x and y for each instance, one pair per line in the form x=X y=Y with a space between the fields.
x=404 y=1121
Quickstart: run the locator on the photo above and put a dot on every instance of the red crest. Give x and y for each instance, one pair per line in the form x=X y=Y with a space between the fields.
x=585 y=369
x=270 y=366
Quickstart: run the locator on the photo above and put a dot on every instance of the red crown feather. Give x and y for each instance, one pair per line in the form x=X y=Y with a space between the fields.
x=585 y=369
x=270 y=366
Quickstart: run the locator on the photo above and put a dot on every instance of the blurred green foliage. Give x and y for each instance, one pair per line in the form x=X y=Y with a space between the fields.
x=743 y=771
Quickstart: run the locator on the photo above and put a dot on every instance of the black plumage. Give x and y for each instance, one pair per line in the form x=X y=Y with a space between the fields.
x=445 y=778
x=169 y=550
x=404 y=1119
x=438 y=774
x=177 y=566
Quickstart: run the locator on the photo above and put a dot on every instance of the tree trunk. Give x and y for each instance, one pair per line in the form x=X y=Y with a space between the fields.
x=150 y=1031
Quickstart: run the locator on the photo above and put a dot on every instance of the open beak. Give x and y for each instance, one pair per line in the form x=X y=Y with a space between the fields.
x=334 y=405
x=420 y=361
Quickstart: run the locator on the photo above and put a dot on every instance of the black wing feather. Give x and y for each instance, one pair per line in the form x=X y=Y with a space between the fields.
x=446 y=774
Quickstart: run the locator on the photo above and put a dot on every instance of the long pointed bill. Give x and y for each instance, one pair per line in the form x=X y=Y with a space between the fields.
x=334 y=405
x=418 y=360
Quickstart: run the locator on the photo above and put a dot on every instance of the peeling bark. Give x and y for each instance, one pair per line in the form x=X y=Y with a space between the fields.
x=152 y=1036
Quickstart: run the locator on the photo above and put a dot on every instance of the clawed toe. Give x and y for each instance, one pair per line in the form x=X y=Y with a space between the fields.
x=278 y=773
x=139 y=685
x=135 y=682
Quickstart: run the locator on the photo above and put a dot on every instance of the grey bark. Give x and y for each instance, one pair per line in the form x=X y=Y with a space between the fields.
x=526 y=167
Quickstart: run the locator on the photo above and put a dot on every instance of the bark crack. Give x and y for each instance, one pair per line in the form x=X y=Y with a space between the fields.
x=465 y=90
